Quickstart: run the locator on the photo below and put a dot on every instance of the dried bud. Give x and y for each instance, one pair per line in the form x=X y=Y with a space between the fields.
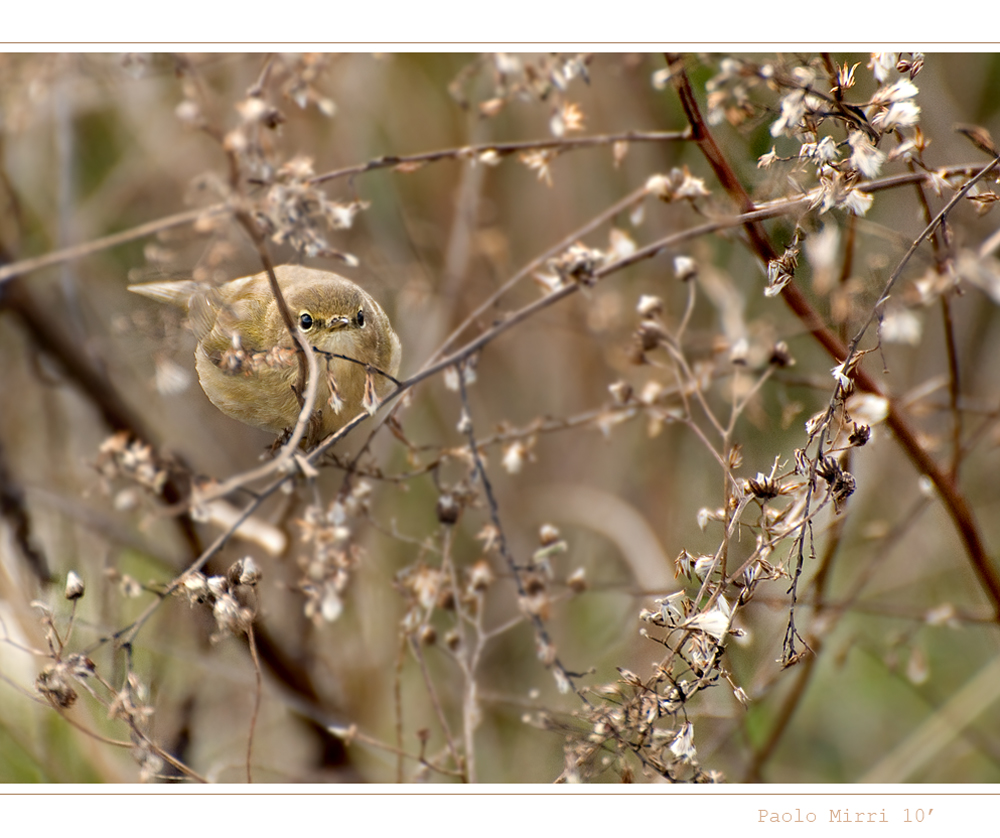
x=621 y=391
x=428 y=635
x=54 y=684
x=74 y=586
x=577 y=581
x=649 y=334
x=577 y=264
x=514 y=456
x=230 y=618
x=534 y=583
x=685 y=268
x=217 y=585
x=194 y=586
x=245 y=572
x=548 y=535
x=480 y=575
x=445 y=599
x=650 y=306
x=448 y=509
x=780 y=356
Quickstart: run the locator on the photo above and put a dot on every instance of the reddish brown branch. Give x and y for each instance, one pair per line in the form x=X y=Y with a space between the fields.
x=954 y=501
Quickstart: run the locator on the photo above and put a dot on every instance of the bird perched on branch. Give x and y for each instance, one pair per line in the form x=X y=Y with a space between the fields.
x=247 y=361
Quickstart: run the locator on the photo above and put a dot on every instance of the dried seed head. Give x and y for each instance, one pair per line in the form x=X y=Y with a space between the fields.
x=74 y=586
x=53 y=683
x=762 y=487
x=842 y=483
x=578 y=263
x=217 y=585
x=860 y=435
x=247 y=572
x=230 y=617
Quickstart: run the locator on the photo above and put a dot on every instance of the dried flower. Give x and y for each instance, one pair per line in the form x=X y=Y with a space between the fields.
x=897 y=115
x=765 y=161
x=540 y=161
x=246 y=572
x=682 y=745
x=865 y=157
x=514 y=456
x=762 y=487
x=882 y=64
x=714 y=622
x=860 y=435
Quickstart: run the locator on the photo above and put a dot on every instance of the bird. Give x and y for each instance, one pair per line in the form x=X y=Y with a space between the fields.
x=247 y=360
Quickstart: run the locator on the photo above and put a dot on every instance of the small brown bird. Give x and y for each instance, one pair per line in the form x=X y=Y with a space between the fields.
x=246 y=359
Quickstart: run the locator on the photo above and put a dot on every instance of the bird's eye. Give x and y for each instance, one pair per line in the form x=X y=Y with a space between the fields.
x=305 y=321
x=360 y=318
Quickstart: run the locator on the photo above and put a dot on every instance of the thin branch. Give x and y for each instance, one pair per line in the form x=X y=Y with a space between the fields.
x=475 y=152
x=541 y=632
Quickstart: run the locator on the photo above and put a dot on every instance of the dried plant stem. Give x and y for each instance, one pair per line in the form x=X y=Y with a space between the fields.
x=601 y=218
x=353 y=735
x=954 y=501
x=78 y=251
x=432 y=693
x=541 y=633
x=258 y=694
x=474 y=152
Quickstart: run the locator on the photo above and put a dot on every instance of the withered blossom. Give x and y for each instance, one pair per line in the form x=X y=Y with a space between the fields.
x=897 y=115
x=765 y=161
x=864 y=156
x=859 y=435
x=882 y=64
x=540 y=161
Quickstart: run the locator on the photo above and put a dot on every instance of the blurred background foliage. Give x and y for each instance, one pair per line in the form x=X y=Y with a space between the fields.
x=93 y=145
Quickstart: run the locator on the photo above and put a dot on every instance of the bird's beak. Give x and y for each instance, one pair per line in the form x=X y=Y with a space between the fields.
x=336 y=323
